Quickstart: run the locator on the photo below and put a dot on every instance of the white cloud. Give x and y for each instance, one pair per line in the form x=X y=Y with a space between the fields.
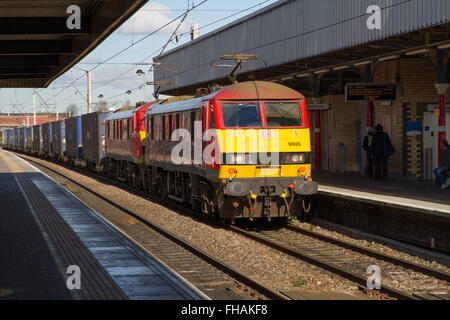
x=150 y=18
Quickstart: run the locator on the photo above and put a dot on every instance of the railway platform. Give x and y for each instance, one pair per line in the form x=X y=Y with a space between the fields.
x=421 y=195
x=53 y=246
x=413 y=212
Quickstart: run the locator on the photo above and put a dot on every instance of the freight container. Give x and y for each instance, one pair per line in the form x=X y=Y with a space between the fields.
x=15 y=139
x=93 y=129
x=74 y=145
x=47 y=138
x=29 y=139
x=58 y=138
x=9 y=138
x=37 y=139
x=21 y=139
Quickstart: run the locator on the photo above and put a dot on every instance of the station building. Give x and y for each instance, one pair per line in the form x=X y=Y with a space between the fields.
x=326 y=50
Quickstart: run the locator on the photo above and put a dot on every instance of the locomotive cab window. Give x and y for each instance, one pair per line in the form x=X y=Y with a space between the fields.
x=169 y=135
x=177 y=121
x=212 y=119
x=241 y=115
x=152 y=134
x=283 y=114
x=163 y=127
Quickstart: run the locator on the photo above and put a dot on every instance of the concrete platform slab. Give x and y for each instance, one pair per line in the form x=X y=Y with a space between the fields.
x=45 y=229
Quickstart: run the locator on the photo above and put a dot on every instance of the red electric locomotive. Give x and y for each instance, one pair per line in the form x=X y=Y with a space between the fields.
x=125 y=145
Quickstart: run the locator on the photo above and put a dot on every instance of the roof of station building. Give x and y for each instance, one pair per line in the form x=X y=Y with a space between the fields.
x=295 y=36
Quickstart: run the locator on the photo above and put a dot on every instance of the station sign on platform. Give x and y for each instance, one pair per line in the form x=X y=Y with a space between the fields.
x=370 y=92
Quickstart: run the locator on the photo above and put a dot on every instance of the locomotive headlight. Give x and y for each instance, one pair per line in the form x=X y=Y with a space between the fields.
x=239 y=159
x=297 y=157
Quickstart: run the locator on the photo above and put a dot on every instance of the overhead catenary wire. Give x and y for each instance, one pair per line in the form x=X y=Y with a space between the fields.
x=130 y=46
x=104 y=83
x=179 y=36
x=106 y=62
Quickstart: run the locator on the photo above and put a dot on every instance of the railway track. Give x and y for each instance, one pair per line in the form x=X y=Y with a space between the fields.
x=351 y=261
x=340 y=257
x=194 y=264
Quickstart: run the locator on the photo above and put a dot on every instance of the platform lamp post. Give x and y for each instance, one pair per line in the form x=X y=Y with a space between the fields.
x=34 y=108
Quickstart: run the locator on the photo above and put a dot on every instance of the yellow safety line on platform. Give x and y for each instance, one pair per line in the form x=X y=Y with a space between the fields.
x=13 y=167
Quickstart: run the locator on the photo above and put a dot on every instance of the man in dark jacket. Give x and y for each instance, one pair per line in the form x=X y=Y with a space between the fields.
x=367 y=144
x=380 y=142
x=441 y=171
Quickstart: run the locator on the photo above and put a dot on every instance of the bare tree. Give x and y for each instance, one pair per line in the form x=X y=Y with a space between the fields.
x=72 y=109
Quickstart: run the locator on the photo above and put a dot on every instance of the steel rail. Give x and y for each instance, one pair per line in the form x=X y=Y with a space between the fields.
x=373 y=253
x=300 y=254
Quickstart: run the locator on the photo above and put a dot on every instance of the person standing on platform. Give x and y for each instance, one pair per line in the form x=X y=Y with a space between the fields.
x=441 y=171
x=367 y=145
x=381 y=150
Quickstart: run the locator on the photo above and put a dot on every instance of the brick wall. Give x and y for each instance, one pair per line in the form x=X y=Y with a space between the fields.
x=343 y=127
x=20 y=121
x=417 y=80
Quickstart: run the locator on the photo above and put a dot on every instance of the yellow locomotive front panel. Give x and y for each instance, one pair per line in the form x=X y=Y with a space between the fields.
x=264 y=153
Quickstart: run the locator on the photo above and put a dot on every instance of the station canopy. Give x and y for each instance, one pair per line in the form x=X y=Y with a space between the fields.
x=297 y=39
x=36 y=46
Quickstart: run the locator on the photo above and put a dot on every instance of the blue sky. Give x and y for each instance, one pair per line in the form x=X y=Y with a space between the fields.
x=152 y=16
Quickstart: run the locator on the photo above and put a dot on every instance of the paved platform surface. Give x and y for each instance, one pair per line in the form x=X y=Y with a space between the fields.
x=422 y=195
x=44 y=229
